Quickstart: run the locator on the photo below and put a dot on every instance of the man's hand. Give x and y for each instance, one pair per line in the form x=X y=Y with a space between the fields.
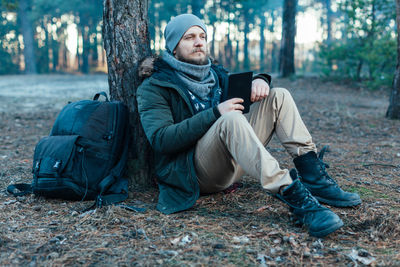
x=232 y=104
x=259 y=90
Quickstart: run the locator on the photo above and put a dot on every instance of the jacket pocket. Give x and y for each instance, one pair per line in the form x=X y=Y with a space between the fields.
x=53 y=155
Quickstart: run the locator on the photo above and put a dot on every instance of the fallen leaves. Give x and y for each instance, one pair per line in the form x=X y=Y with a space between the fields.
x=362 y=256
x=245 y=227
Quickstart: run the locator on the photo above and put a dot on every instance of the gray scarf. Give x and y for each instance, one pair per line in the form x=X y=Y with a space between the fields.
x=198 y=79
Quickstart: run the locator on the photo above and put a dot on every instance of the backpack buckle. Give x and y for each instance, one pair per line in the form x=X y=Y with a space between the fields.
x=36 y=168
x=57 y=165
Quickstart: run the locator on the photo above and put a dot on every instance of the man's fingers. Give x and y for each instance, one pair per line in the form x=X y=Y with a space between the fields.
x=238 y=106
x=259 y=93
x=263 y=93
x=253 y=94
x=238 y=100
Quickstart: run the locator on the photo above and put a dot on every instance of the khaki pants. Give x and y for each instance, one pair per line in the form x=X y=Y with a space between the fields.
x=235 y=144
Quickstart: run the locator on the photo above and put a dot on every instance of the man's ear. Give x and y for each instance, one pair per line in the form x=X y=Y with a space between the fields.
x=174 y=52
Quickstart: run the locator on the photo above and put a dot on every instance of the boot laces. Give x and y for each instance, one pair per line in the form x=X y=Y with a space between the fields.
x=305 y=202
x=309 y=202
x=323 y=166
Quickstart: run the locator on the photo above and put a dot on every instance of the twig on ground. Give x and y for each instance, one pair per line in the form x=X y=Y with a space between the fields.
x=380 y=164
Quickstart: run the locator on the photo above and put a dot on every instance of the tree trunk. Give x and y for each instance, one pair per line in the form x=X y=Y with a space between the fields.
x=358 y=71
x=329 y=20
x=286 y=60
x=45 y=59
x=55 y=50
x=27 y=33
x=212 y=49
x=237 y=51
x=127 y=43
x=78 y=54
x=65 y=58
x=393 y=111
x=85 y=50
x=84 y=29
x=273 y=64
x=213 y=20
x=93 y=47
x=196 y=8
x=274 y=57
x=228 y=48
x=246 y=60
x=262 y=42
x=154 y=24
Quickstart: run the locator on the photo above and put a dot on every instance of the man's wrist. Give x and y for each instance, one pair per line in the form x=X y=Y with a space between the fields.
x=266 y=77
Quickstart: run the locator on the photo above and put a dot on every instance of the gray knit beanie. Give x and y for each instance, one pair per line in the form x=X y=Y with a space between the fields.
x=177 y=27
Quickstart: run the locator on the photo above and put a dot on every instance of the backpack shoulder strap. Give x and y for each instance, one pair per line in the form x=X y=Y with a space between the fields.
x=111 y=198
x=115 y=172
x=24 y=189
x=108 y=199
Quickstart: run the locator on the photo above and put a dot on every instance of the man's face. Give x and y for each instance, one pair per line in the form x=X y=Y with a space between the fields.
x=192 y=48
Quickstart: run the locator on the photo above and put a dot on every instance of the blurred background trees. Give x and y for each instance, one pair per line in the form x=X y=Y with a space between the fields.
x=363 y=47
x=345 y=39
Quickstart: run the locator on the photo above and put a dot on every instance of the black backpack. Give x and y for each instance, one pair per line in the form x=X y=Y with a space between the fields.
x=84 y=156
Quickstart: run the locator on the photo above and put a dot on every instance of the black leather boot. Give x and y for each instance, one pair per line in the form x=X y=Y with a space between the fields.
x=313 y=175
x=319 y=220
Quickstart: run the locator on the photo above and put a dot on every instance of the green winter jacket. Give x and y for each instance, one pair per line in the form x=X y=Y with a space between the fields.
x=173 y=129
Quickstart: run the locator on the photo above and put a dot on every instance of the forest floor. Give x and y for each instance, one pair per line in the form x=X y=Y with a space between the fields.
x=242 y=228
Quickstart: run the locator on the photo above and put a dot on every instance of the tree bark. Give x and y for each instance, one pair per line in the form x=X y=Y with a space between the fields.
x=27 y=33
x=55 y=49
x=127 y=43
x=286 y=60
x=393 y=111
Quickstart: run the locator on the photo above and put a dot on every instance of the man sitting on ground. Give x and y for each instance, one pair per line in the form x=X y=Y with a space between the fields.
x=204 y=145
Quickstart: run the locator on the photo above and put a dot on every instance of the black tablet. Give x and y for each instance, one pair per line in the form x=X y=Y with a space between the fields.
x=239 y=85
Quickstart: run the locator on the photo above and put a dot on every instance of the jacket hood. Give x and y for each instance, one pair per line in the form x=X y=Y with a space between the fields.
x=146 y=67
x=155 y=63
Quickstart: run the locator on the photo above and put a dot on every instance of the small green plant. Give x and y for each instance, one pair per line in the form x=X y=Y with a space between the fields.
x=367 y=192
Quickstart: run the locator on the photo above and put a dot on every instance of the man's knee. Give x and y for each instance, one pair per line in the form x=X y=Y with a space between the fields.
x=232 y=119
x=280 y=92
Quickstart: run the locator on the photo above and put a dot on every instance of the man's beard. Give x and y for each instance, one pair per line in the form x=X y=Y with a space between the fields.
x=195 y=61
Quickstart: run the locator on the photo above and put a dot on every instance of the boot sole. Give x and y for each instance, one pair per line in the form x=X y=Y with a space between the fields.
x=340 y=204
x=327 y=231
